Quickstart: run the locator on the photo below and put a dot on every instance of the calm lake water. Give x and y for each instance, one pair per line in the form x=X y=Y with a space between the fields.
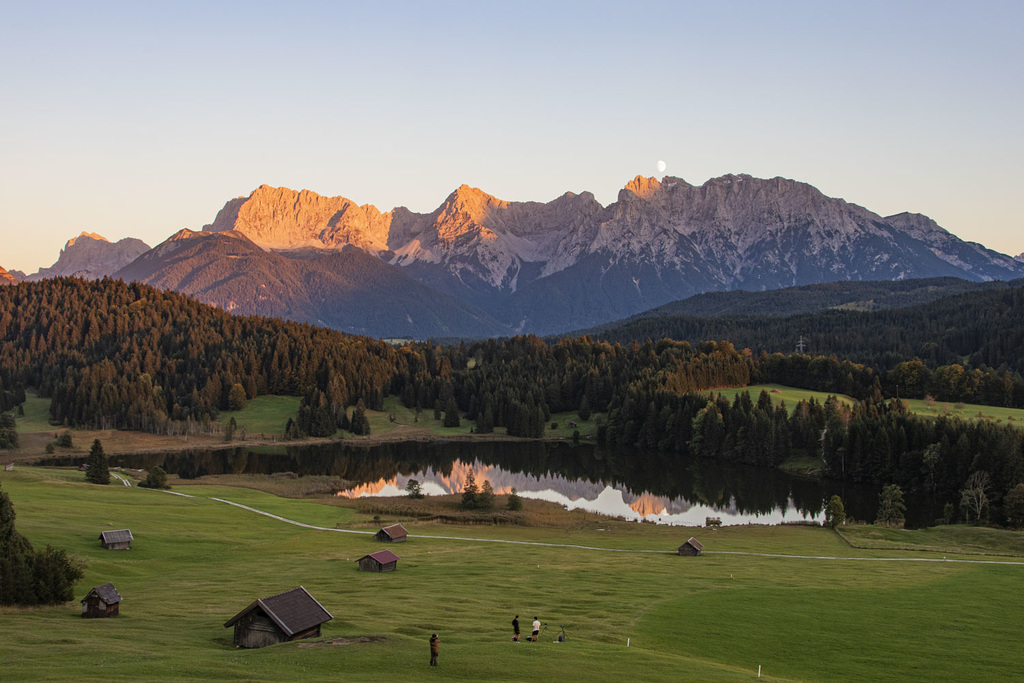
x=656 y=488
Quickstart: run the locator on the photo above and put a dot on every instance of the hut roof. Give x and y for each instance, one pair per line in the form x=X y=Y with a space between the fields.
x=293 y=611
x=107 y=593
x=382 y=556
x=695 y=543
x=120 y=536
x=395 y=531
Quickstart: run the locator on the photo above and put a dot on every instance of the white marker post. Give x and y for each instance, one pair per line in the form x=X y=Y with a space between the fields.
x=627 y=642
x=758 y=670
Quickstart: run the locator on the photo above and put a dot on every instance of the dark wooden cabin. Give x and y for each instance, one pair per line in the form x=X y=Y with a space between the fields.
x=692 y=547
x=117 y=540
x=395 y=533
x=287 y=616
x=101 y=601
x=380 y=561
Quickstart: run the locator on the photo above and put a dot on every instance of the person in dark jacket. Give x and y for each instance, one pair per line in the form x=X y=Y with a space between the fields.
x=435 y=647
x=515 y=628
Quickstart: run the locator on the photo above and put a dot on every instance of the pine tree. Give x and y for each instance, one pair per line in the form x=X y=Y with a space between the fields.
x=485 y=500
x=515 y=502
x=470 y=492
x=97 y=472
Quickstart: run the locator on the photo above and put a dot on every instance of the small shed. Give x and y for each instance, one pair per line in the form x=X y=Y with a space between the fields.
x=287 y=616
x=380 y=561
x=117 y=540
x=395 y=533
x=101 y=601
x=692 y=547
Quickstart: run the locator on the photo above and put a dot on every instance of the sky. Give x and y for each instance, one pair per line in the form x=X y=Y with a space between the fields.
x=138 y=119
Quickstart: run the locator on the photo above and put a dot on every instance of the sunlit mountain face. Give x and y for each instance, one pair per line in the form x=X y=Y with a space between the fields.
x=607 y=499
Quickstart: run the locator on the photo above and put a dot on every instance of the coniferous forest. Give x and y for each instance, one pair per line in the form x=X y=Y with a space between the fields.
x=115 y=355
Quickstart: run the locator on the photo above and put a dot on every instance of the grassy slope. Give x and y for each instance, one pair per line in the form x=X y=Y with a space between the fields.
x=196 y=562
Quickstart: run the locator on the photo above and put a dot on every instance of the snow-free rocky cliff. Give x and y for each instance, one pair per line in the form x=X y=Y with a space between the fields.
x=548 y=267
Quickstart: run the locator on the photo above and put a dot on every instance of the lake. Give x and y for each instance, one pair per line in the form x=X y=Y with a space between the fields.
x=664 y=489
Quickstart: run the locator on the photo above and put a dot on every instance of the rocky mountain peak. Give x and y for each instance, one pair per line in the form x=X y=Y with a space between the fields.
x=88 y=235
x=6 y=278
x=92 y=256
x=642 y=187
x=281 y=218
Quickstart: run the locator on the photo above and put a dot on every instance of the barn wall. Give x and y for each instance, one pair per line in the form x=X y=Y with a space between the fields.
x=257 y=630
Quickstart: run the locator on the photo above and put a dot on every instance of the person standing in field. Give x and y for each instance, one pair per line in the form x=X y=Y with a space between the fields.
x=515 y=628
x=536 y=629
x=435 y=648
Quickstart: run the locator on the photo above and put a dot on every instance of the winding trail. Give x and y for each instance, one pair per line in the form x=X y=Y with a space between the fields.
x=617 y=550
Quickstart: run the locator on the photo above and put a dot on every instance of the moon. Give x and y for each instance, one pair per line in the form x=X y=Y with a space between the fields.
x=661 y=166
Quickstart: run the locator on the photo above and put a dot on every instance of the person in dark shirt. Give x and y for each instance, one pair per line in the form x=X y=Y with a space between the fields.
x=515 y=628
x=435 y=647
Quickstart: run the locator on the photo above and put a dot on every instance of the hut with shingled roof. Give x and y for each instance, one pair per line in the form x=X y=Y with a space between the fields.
x=101 y=601
x=117 y=540
x=380 y=561
x=692 y=547
x=395 y=533
x=287 y=616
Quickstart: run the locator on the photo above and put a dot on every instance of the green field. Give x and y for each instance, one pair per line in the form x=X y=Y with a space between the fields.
x=967 y=411
x=779 y=393
x=37 y=416
x=264 y=414
x=197 y=562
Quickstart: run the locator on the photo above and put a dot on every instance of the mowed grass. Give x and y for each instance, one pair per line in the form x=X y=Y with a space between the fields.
x=196 y=562
x=264 y=414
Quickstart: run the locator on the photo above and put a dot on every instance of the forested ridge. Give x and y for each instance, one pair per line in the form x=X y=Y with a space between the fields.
x=112 y=354
x=980 y=329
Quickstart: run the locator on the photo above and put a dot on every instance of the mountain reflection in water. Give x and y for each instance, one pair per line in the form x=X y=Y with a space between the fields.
x=607 y=499
x=664 y=488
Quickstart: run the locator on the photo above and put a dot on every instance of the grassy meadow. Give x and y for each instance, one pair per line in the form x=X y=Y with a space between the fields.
x=196 y=562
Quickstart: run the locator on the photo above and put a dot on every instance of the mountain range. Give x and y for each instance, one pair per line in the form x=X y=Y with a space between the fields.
x=480 y=266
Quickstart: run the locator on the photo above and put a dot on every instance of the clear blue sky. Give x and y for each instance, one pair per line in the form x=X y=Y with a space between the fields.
x=142 y=118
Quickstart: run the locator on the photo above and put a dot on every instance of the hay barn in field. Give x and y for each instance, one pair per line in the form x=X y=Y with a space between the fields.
x=117 y=540
x=101 y=601
x=691 y=548
x=287 y=616
x=395 y=533
x=380 y=561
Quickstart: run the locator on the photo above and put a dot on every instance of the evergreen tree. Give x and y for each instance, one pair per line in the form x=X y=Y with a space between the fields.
x=360 y=423
x=451 y=414
x=515 y=502
x=1013 y=506
x=470 y=492
x=891 y=506
x=97 y=472
x=485 y=500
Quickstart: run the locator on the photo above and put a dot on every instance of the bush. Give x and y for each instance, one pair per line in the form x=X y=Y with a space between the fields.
x=156 y=478
x=515 y=503
x=64 y=440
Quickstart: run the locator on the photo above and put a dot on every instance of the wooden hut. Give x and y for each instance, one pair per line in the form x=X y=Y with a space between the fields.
x=101 y=601
x=380 y=561
x=692 y=547
x=395 y=533
x=117 y=540
x=286 y=616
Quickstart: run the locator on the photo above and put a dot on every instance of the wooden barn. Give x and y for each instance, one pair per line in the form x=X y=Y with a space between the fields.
x=380 y=561
x=101 y=601
x=117 y=540
x=395 y=533
x=691 y=547
x=283 y=617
